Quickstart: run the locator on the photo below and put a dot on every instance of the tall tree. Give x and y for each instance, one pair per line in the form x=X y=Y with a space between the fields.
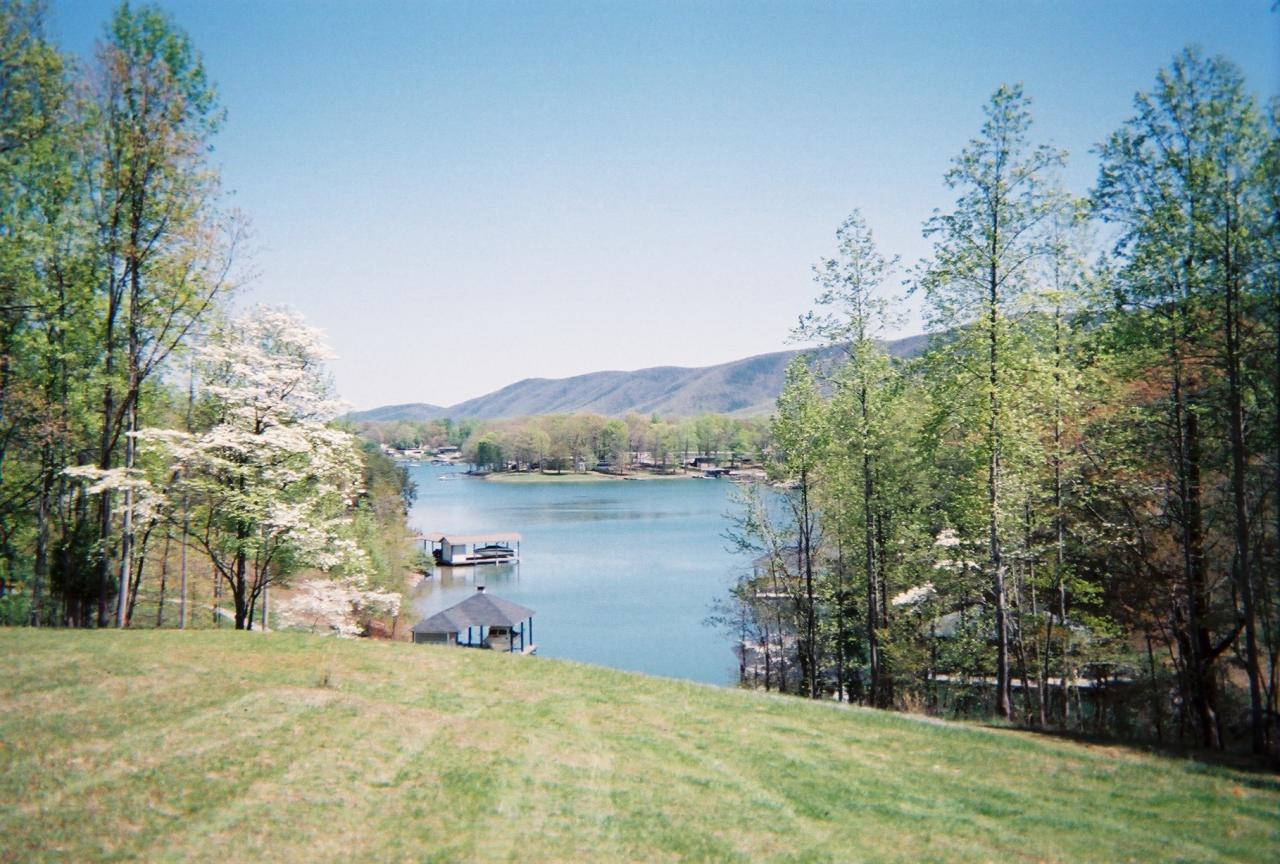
x=1269 y=271
x=982 y=268
x=31 y=90
x=46 y=355
x=1184 y=179
x=853 y=315
x=163 y=255
x=1063 y=298
x=794 y=544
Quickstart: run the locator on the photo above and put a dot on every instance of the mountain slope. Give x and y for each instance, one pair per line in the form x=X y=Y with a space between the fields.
x=223 y=746
x=411 y=411
x=747 y=386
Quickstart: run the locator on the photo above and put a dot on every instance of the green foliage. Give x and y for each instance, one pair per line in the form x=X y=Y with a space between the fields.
x=576 y=443
x=487 y=454
x=114 y=262
x=1069 y=499
x=380 y=526
x=15 y=609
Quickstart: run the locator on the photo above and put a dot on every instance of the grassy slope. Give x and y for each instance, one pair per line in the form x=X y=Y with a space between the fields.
x=222 y=746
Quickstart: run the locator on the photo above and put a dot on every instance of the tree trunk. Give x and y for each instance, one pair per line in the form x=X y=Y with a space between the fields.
x=106 y=444
x=126 y=530
x=240 y=590
x=810 y=611
x=1059 y=525
x=1157 y=715
x=1020 y=647
x=1240 y=562
x=132 y=394
x=182 y=601
x=1204 y=698
x=840 y=614
x=1273 y=677
x=869 y=556
x=164 y=574
x=882 y=577
x=41 y=568
x=768 y=656
x=1003 y=701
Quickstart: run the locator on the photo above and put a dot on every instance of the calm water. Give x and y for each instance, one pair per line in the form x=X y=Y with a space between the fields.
x=619 y=573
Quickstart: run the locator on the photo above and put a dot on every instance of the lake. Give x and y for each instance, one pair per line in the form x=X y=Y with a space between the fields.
x=620 y=573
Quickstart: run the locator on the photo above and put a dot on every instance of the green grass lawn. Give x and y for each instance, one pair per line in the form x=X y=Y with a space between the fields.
x=217 y=746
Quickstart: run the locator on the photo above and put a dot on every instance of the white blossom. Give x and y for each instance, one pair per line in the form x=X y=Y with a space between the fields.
x=276 y=482
x=914 y=596
x=334 y=605
x=147 y=501
x=947 y=538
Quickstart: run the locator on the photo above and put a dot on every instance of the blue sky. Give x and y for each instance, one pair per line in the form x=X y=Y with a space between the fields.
x=465 y=194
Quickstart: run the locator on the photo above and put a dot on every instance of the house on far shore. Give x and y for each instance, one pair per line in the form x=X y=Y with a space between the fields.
x=490 y=622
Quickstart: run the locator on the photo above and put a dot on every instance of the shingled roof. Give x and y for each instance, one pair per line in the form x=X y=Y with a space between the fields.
x=478 y=610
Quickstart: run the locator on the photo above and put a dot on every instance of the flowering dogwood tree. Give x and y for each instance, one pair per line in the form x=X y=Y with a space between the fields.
x=271 y=483
x=335 y=605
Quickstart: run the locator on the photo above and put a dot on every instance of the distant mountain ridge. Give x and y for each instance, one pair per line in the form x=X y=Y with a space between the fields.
x=744 y=387
x=412 y=411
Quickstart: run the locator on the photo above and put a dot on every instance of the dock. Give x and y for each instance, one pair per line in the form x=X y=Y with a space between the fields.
x=466 y=550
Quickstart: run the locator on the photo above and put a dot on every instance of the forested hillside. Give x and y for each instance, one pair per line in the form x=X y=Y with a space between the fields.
x=746 y=387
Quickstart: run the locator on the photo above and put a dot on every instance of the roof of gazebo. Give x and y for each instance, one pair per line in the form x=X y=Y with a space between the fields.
x=478 y=610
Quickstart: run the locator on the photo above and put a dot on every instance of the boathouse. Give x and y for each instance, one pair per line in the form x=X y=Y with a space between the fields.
x=456 y=550
x=488 y=621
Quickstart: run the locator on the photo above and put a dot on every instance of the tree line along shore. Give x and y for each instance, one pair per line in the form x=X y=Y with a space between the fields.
x=582 y=443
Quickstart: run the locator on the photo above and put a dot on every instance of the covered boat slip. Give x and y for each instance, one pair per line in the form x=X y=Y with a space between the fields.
x=496 y=624
x=458 y=550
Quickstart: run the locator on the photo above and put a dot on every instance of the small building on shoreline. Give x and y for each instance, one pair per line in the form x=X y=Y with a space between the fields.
x=488 y=621
x=460 y=550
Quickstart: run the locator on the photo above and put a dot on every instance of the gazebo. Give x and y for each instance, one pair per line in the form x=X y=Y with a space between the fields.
x=495 y=622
